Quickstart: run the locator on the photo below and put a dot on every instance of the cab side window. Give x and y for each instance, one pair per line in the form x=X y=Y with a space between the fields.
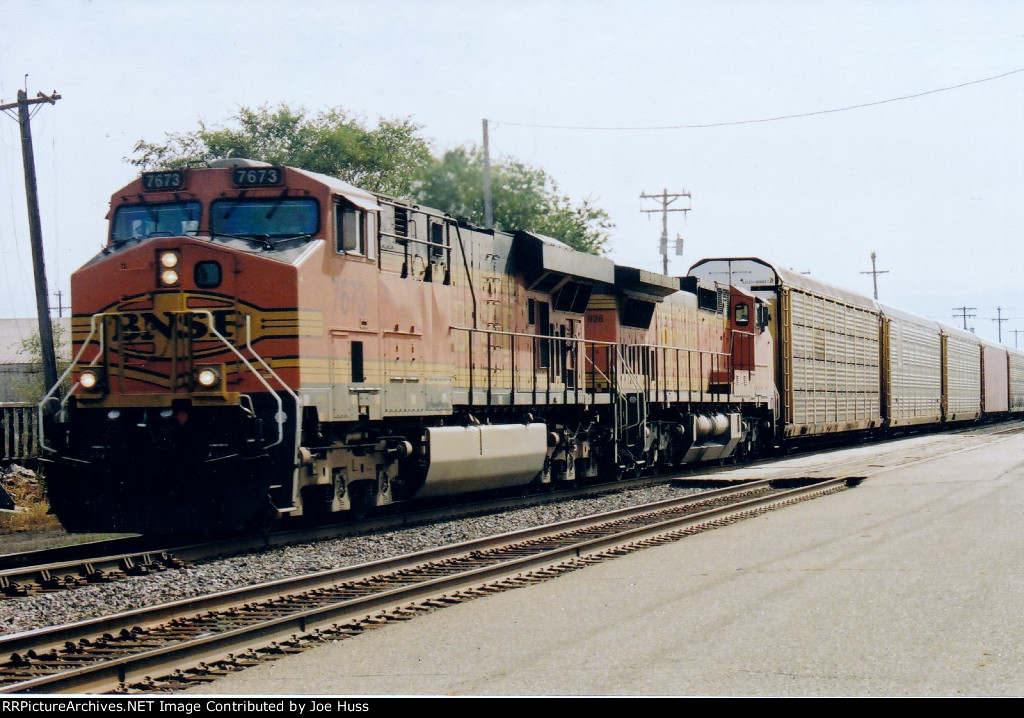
x=349 y=230
x=742 y=314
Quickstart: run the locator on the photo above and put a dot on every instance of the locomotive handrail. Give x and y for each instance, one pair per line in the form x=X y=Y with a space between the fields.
x=291 y=392
x=716 y=358
x=411 y=240
x=707 y=362
x=263 y=363
x=748 y=352
x=533 y=338
x=213 y=330
x=469 y=274
x=503 y=332
x=593 y=363
x=632 y=374
x=279 y=416
x=74 y=362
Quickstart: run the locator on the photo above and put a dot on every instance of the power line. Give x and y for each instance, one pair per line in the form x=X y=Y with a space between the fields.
x=665 y=198
x=1000 y=319
x=769 y=119
x=874 y=273
x=965 y=312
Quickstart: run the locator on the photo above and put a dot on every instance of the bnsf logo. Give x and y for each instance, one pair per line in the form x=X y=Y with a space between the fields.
x=158 y=326
x=152 y=334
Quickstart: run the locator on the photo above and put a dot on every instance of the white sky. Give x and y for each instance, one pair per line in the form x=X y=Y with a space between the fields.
x=934 y=185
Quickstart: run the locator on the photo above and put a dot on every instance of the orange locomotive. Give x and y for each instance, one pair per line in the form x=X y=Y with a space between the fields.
x=257 y=342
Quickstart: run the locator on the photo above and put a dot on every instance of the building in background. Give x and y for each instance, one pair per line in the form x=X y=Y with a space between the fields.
x=20 y=370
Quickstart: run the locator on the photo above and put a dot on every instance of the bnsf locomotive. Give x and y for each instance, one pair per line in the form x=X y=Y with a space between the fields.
x=257 y=342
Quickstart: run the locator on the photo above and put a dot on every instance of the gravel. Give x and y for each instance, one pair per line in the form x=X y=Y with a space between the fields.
x=51 y=609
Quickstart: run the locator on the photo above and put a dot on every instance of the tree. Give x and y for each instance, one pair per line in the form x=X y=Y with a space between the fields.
x=391 y=159
x=384 y=159
x=523 y=197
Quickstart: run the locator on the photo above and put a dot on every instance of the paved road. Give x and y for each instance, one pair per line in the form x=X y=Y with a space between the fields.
x=910 y=584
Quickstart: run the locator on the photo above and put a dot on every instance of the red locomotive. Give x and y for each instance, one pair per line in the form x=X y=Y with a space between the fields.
x=257 y=342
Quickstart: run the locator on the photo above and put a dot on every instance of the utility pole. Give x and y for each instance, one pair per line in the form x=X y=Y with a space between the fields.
x=874 y=273
x=60 y=303
x=666 y=199
x=965 y=312
x=488 y=208
x=1016 y=334
x=999 y=320
x=35 y=232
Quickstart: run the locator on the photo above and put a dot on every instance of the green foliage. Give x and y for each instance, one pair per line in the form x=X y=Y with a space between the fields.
x=384 y=159
x=522 y=197
x=391 y=159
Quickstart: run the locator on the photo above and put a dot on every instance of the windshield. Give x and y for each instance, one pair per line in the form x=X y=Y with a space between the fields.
x=269 y=218
x=169 y=219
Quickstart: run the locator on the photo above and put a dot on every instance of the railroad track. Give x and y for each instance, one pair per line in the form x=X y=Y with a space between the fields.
x=200 y=638
x=68 y=567
x=61 y=576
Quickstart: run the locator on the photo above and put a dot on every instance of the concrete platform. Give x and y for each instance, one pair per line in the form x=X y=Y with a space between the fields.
x=910 y=584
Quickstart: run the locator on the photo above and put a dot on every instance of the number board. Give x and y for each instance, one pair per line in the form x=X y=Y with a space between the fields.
x=163 y=181
x=257 y=176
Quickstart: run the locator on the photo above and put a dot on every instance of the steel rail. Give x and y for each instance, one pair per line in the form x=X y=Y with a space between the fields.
x=41 y=558
x=421 y=576
x=21 y=571
x=57 y=576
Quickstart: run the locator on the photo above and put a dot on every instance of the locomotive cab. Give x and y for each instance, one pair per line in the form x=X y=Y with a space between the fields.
x=184 y=393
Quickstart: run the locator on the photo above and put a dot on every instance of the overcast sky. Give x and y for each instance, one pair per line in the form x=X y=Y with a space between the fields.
x=933 y=184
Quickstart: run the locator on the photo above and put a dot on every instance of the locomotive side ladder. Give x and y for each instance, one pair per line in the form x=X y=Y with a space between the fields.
x=630 y=414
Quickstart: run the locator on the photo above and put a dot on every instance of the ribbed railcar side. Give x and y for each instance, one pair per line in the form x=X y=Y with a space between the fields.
x=911 y=369
x=827 y=341
x=1015 y=360
x=833 y=379
x=961 y=375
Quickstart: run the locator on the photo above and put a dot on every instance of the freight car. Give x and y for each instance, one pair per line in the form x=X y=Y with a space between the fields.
x=845 y=363
x=256 y=343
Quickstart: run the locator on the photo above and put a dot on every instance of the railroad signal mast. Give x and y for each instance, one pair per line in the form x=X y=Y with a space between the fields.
x=666 y=198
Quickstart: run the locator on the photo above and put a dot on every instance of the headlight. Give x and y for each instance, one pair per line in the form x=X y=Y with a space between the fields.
x=90 y=379
x=167 y=267
x=208 y=377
